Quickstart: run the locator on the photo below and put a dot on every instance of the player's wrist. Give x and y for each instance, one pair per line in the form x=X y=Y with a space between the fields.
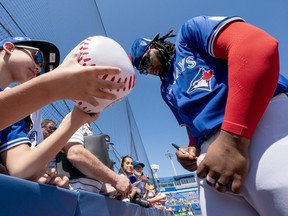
x=234 y=138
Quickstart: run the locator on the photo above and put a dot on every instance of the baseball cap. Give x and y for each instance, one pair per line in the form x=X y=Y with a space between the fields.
x=50 y=51
x=107 y=139
x=145 y=181
x=136 y=163
x=138 y=49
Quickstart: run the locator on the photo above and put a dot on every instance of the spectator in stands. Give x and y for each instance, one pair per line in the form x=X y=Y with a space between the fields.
x=35 y=134
x=153 y=200
x=96 y=177
x=48 y=127
x=156 y=200
x=25 y=162
x=22 y=59
x=49 y=87
x=127 y=171
x=138 y=170
x=148 y=192
x=126 y=166
x=137 y=176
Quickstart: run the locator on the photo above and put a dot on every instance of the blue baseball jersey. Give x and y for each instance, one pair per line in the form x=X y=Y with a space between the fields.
x=13 y=135
x=19 y=133
x=196 y=86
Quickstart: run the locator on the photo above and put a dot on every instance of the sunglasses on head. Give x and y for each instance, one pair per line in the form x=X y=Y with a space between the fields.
x=37 y=54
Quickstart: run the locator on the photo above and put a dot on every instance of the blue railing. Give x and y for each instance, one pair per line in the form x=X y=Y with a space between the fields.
x=21 y=197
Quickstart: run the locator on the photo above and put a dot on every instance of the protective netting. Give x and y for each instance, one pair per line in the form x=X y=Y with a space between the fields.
x=45 y=20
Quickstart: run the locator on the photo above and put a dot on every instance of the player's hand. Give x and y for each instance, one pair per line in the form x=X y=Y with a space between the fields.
x=188 y=162
x=226 y=163
x=83 y=82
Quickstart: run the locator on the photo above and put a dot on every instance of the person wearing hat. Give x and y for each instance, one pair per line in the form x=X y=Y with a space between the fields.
x=221 y=81
x=138 y=170
x=137 y=163
x=136 y=176
x=21 y=60
x=50 y=87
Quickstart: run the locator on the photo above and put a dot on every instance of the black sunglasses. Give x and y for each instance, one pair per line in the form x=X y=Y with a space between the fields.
x=147 y=60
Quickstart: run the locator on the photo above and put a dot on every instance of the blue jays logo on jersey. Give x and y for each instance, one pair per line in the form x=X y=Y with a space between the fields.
x=202 y=81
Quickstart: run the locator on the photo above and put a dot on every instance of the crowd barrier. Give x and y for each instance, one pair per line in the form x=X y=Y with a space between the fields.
x=22 y=197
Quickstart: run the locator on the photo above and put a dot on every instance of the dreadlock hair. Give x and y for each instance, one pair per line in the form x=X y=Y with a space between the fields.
x=166 y=49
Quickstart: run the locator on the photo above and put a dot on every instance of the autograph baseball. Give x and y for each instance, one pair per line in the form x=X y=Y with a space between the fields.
x=104 y=51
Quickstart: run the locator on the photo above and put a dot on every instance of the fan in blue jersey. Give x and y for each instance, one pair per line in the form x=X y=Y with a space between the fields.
x=48 y=88
x=221 y=80
x=23 y=59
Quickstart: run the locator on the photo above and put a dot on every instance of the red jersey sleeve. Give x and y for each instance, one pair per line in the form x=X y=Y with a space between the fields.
x=253 y=72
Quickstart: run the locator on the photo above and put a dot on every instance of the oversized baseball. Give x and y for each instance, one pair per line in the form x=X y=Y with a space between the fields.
x=103 y=51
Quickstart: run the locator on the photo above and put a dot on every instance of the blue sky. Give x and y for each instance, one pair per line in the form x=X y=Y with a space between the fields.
x=127 y=20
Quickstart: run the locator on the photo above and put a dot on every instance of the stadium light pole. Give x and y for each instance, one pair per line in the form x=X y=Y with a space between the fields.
x=170 y=155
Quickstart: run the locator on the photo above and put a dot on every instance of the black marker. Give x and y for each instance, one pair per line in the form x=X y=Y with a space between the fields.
x=180 y=149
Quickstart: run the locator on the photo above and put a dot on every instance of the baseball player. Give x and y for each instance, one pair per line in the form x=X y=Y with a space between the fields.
x=221 y=80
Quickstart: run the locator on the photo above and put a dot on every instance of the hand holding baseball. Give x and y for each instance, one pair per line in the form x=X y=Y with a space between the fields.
x=226 y=162
x=102 y=51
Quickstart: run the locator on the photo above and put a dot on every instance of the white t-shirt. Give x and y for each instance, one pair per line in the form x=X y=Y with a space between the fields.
x=84 y=183
x=35 y=133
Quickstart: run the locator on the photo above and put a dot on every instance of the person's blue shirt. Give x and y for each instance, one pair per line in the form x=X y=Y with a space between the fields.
x=13 y=135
